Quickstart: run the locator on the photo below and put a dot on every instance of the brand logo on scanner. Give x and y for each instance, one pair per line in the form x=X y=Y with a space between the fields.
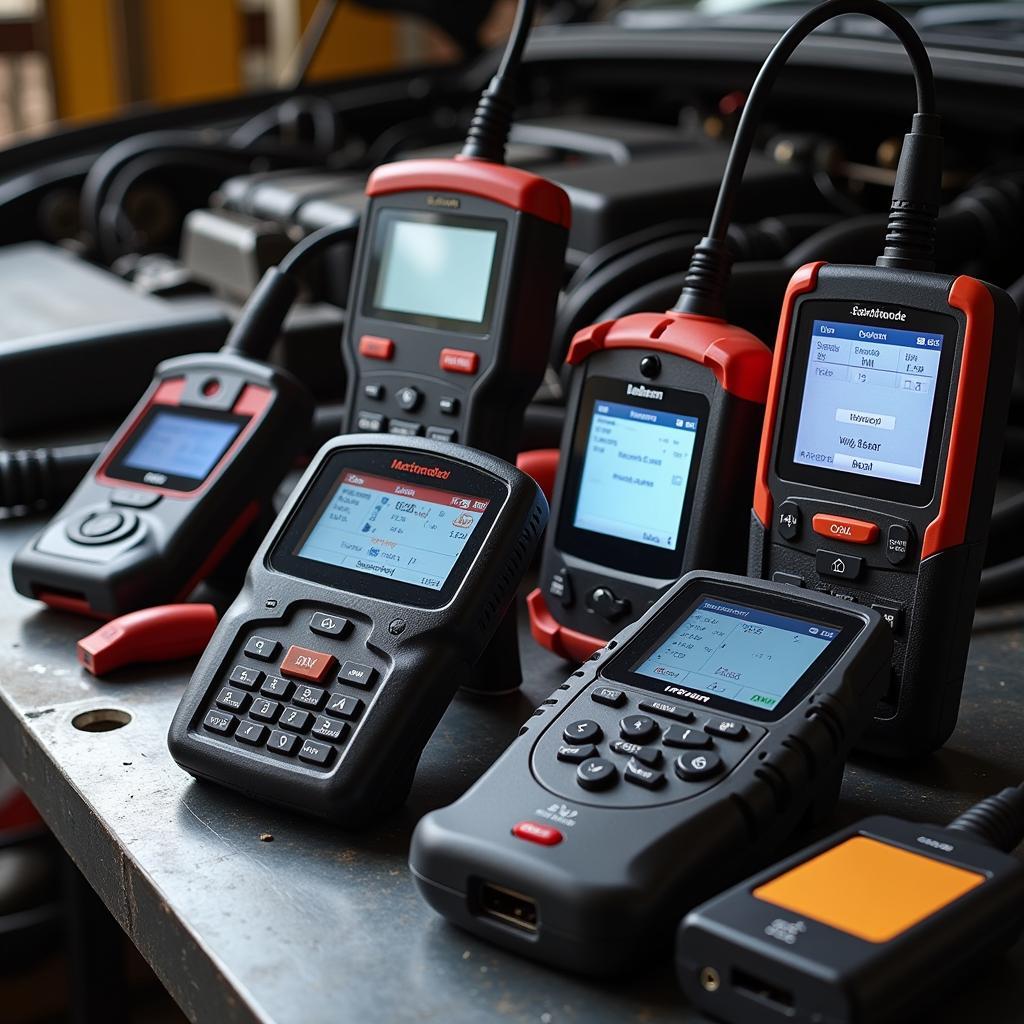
x=639 y=391
x=445 y=202
x=878 y=314
x=414 y=467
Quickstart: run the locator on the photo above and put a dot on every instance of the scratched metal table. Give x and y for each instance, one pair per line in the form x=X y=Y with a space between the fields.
x=322 y=926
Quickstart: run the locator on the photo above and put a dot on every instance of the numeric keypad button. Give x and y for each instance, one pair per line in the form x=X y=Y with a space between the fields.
x=231 y=699
x=596 y=773
x=246 y=678
x=277 y=687
x=329 y=729
x=283 y=743
x=354 y=674
x=219 y=722
x=262 y=647
x=697 y=765
x=295 y=720
x=309 y=697
x=265 y=710
x=315 y=752
x=251 y=732
x=343 y=706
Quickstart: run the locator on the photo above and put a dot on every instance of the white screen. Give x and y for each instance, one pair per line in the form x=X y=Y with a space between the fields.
x=436 y=270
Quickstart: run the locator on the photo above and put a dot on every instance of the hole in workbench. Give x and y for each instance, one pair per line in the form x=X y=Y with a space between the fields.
x=101 y=720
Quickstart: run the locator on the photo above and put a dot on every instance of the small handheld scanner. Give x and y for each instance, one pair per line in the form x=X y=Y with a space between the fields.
x=703 y=732
x=454 y=287
x=878 y=466
x=365 y=609
x=655 y=470
x=190 y=473
x=455 y=283
x=868 y=927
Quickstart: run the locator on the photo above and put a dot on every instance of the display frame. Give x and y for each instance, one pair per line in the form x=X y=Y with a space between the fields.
x=117 y=469
x=838 y=310
x=468 y=480
x=381 y=231
x=620 y=669
x=618 y=553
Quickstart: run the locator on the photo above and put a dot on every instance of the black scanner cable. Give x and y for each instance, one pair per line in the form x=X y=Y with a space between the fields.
x=910 y=238
x=259 y=323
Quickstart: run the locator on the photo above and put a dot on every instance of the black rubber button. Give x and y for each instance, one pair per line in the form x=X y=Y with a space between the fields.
x=697 y=765
x=638 y=728
x=597 y=773
x=583 y=731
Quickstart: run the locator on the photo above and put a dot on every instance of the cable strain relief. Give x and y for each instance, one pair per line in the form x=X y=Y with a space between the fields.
x=997 y=820
x=492 y=122
x=703 y=291
x=916 y=197
x=261 y=318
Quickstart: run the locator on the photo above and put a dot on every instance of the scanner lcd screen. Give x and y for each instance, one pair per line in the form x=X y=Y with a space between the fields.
x=435 y=270
x=635 y=473
x=868 y=398
x=729 y=650
x=384 y=527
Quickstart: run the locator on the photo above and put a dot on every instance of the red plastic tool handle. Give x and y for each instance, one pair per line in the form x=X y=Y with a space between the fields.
x=163 y=633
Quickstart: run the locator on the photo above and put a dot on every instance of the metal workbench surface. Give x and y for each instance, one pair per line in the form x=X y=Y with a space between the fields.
x=319 y=925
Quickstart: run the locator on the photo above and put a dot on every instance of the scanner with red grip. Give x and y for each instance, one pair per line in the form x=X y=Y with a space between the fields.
x=678 y=401
x=890 y=508
x=453 y=348
x=186 y=480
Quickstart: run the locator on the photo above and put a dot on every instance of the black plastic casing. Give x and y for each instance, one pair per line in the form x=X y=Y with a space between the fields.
x=934 y=594
x=632 y=862
x=419 y=668
x=716 y=531
x=828 y=976
x=513 y=352
x=183 y=535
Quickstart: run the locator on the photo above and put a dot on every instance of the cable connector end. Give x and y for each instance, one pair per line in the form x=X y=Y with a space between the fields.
x=703 y=291
x=997 y=820
x=916 y=197
x=492 y=122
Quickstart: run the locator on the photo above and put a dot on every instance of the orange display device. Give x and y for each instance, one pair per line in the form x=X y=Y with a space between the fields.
x=867 y=927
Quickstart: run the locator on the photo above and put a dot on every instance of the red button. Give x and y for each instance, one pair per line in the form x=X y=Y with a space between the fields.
x=856 y=531
x=376 y=348
x=534 y=832
x=457 y=360
x=302 y=663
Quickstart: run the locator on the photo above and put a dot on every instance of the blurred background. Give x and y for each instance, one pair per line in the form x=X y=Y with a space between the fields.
x=79 y=60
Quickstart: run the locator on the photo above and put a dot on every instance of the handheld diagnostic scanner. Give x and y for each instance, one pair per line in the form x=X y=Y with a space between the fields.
x=870 y=926
x=697 y=740
x=190 y=475
x=655 y=470
x=456 y=277
x=364 y=610
x=883 y=428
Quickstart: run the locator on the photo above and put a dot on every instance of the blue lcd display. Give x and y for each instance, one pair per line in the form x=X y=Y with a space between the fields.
x=387 y=528
x=868 y=398
x=635 y=473
x=743 y=654
x=178 y=445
